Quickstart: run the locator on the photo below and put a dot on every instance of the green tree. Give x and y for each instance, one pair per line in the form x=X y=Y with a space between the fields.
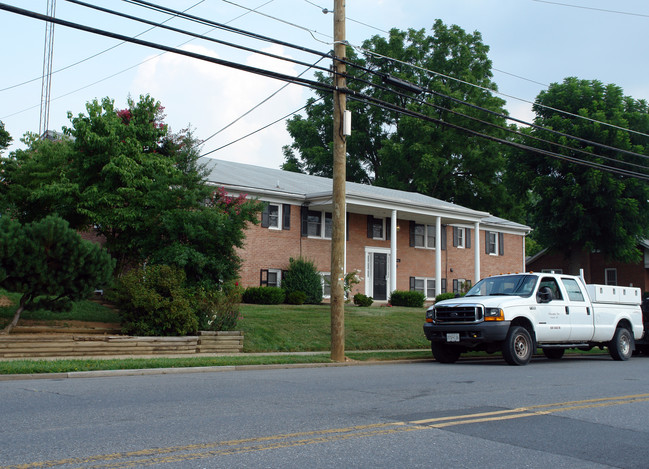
x=5 y=138
x=407 y=153
x=575 y=208
x=140 y=186
x=48 y=262
x=40 y=181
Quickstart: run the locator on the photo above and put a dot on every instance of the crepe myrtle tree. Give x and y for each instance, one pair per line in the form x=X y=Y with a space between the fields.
x=48 y=263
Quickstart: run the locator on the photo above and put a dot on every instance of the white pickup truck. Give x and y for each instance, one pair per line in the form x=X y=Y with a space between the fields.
x=518 y=313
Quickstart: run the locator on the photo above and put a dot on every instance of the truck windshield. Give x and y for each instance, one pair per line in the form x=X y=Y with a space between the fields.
x=515 y=285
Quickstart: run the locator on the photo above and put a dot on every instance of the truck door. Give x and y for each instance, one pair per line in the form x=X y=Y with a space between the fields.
x=582 y=326
x=553 y=324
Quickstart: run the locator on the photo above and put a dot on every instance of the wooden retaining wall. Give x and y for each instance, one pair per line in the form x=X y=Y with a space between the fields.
x=65 y=346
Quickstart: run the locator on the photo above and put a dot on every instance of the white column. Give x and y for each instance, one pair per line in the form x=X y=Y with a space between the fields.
x=438 y=256
x=393 y=252
x=476 y=254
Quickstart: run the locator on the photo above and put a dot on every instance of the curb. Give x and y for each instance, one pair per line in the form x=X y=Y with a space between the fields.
x=198 y=369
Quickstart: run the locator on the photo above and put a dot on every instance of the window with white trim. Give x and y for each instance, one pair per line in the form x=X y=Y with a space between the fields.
x=492 y=243
x=274 y=278
x=274 y=216
x=611 y=276
x=377 y=228
x=424 y=236
x=326 y=284
x=319 y=224
x=461 y=285
x=458 y=237
x=426 y=285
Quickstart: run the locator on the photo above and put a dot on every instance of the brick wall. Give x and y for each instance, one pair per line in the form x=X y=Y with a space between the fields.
x=267 y=248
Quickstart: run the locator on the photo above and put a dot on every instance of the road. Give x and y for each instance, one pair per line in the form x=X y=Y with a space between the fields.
x=577 y=413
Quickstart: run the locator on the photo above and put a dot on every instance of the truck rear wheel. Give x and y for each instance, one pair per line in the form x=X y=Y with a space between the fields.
x=621 y=347
x=444 y=353
x=518 y=348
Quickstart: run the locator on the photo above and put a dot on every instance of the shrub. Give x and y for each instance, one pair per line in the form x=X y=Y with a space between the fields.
x=263 y=295
x=295 y=298
x=444 y=296
x=218 y=309
x=412 y=299
x=154 y=302
x=362 y=300
x=302 y=275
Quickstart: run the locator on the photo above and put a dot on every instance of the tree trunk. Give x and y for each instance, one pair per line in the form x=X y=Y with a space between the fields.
x=579 y=259
x=14 y=321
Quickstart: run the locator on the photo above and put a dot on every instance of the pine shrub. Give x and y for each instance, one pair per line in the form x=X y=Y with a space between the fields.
x=302 y=275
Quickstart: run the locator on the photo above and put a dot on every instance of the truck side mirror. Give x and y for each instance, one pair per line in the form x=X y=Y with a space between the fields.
x=544 y=295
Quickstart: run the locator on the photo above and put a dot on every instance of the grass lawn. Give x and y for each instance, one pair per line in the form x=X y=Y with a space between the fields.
x=288 y=328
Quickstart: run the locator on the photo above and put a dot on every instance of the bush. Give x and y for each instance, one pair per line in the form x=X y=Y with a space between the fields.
x=218 y=309
x=444 y=296
x=302 y=275
x=263 y=295
x=154 y=302
x=412 y=299
x=362 y=300
x=295 y=298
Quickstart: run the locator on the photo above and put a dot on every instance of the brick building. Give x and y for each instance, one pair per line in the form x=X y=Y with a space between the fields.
x=396 y=240
x=597 y=268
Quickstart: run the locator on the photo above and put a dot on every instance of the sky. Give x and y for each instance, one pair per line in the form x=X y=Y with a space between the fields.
x=532 y=43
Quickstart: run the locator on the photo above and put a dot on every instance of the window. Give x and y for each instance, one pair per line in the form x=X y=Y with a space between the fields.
x=316 y=228
x=326 y=284
x=276 y=217
x=492 y=243
x=553 y=285
x=424 y=236
x=375 y=227
x=458 y=237
x=572 y=287
x=314 y=221
x=426 y=286
x=270 y=277
x=461 y=285
x=611 y=276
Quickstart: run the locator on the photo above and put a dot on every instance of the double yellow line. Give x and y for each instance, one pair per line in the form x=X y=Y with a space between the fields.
x=149 y=457
x=530 y=411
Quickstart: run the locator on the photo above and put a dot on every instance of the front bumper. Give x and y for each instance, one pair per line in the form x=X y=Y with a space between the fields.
x=471 y=335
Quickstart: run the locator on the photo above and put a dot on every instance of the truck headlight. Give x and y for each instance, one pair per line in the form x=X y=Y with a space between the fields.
x=430 y=314
x=494 y=314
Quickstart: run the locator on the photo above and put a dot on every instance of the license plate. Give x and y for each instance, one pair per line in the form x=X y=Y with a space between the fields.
x=453 y=337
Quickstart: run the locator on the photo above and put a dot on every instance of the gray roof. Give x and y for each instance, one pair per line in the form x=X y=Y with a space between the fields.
x=257 y=180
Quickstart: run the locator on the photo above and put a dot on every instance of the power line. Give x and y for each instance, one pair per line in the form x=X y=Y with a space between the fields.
x=484 y=88
x=225 y=27
x=591 y=8
x=472 y=84
x=321 y=86
x=256 y=106
x=94 y=55
x=195 y=35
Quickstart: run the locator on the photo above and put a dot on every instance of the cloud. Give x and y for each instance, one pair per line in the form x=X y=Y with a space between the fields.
x=210 y=96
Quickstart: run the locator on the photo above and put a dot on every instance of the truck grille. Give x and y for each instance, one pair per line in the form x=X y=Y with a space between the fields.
x=458 y=313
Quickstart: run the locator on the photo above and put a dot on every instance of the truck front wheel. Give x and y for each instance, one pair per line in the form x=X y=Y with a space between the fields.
x=621 y=347
x=444 y=353
x=518 y=348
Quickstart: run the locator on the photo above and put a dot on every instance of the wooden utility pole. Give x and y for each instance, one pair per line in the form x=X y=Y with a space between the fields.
x=339 y=176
